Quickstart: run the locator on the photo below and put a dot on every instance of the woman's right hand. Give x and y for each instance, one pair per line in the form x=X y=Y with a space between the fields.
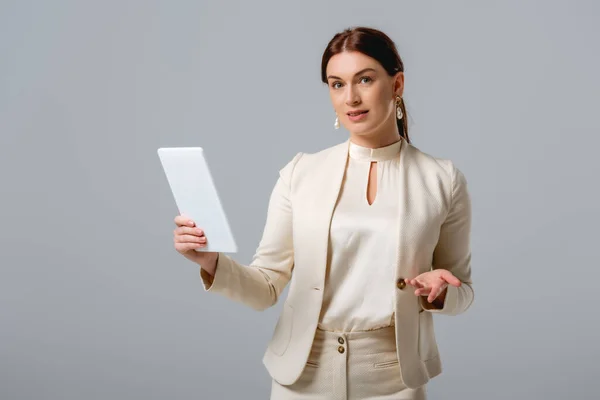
x=187 y=238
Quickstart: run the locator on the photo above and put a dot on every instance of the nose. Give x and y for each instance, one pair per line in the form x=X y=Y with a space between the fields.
x=352 y=97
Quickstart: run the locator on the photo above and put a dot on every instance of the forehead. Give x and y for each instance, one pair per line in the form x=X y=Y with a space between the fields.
x=347 y=63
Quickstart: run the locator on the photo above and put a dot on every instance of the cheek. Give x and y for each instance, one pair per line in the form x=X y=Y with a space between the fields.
x=379 y=99
x=384 y=105
x=337 y=100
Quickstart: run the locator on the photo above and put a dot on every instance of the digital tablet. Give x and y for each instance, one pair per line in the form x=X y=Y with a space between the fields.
x=196 y=196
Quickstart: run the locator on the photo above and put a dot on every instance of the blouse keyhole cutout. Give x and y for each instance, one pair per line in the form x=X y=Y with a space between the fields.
x=372 y=183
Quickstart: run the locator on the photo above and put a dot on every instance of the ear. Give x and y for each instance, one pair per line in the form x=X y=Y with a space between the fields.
x=399 y=84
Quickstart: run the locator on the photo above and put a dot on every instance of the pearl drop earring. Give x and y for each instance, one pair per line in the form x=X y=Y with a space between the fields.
x=336 y=125
x=399 y=113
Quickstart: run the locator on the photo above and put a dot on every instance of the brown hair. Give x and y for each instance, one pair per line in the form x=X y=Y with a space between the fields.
x=375 y=44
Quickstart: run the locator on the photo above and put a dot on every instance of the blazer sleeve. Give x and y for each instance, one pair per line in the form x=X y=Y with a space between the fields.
x=259 y=284
x=453 y=251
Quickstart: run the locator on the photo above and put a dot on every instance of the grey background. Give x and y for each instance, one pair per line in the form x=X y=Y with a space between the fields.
x=94 y=301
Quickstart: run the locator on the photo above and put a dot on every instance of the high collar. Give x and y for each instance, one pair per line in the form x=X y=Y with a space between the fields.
x=362 y=153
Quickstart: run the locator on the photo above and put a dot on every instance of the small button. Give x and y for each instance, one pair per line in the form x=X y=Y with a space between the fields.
x=341 y=349
x=401 y=283
x=341 y=340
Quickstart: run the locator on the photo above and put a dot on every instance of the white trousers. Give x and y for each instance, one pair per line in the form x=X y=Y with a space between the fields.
x=350 y=366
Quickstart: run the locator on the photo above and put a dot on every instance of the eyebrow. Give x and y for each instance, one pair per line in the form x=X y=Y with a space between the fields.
x=358 y=73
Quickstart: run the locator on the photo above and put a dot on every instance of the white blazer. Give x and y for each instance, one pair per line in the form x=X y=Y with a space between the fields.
x=434 y=232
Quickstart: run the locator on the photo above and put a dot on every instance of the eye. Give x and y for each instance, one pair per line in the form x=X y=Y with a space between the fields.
x=333 y=85
x=367 y=78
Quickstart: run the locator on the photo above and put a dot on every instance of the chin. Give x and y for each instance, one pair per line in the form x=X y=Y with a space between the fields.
x=364 y=130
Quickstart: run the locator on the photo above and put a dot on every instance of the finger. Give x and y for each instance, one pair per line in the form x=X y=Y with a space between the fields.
x=414 y=282
x=432 y=295
x=182 y=220
x=435 y=292
x=422 y=291
x=184 y=230
x=190 y=239
x=450 y=278
x=183 y=247
x=454 y=281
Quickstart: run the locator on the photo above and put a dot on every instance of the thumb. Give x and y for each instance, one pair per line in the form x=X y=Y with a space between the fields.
x=451 y=279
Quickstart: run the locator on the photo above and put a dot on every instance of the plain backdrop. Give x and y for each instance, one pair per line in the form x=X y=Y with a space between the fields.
x=95 y=303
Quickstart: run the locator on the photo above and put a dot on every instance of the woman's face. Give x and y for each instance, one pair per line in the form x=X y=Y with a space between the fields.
x=358 y=83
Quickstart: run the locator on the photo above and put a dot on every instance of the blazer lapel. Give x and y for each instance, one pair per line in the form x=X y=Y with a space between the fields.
x=327 y=192
x=405 y=252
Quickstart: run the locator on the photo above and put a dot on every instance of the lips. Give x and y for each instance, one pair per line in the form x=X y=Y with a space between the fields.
x=357 y=112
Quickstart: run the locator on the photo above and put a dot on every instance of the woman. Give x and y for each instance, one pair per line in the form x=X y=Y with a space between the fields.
x=376 y=233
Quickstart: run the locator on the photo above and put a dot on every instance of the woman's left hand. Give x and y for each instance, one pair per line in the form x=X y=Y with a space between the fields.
x=433 y=283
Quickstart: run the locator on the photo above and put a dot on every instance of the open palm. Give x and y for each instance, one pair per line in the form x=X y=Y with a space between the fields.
x=433 y=283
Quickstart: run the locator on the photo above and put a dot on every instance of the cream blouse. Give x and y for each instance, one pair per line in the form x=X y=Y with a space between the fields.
x=360 y=281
